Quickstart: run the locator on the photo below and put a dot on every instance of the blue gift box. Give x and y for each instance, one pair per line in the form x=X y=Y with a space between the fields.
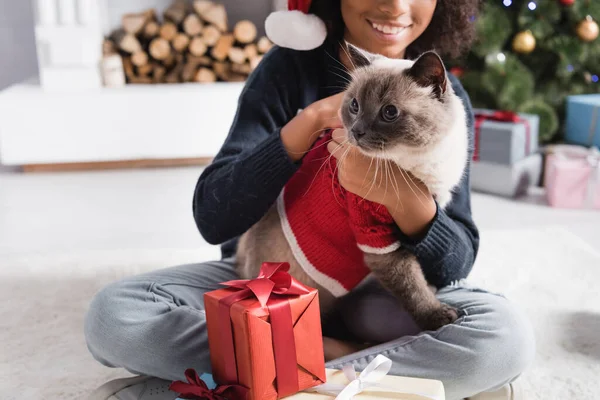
x=583 y=120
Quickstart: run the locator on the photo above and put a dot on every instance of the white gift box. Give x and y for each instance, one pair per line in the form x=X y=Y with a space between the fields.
x=373 y=383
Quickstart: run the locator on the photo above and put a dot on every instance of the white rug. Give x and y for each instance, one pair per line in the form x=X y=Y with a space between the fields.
x=553 y=274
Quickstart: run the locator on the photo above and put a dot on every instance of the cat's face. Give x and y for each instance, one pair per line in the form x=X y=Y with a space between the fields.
x=393 y=104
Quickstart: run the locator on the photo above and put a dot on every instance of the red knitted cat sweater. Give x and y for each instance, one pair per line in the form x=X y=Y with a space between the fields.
x=329 y=228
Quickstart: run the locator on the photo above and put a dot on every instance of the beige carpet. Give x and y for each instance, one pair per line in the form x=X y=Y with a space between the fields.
x=552 y=273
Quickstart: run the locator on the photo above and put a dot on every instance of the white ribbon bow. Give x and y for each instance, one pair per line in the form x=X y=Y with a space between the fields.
x=368 y=378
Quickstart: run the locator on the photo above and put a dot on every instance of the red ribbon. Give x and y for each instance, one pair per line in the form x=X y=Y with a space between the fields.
x=499 y=116
x=273 y=284
x=196 y=389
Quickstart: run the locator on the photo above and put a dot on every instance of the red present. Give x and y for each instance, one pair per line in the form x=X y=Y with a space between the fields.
x=265 y=334
x=196 y=389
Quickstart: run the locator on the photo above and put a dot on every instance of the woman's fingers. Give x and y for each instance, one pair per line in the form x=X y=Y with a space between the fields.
x=340 y=136
x=338 y=142
x=335 y=149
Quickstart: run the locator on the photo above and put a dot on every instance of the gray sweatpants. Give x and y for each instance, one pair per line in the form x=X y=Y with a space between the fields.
x=154 y=324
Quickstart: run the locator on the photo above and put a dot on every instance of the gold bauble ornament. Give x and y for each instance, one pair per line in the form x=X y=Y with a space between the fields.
x=524 y=42
x=588 y=30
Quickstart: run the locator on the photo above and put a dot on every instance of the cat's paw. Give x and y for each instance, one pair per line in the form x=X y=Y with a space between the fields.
x=438 y=317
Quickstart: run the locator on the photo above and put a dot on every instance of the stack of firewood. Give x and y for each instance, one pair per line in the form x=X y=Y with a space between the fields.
x=192 y=43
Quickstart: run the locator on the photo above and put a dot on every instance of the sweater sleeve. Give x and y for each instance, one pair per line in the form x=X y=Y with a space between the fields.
x=252 y=167
x=449 y=248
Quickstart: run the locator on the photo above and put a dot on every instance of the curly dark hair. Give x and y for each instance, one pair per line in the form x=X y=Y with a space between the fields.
x=451 y=31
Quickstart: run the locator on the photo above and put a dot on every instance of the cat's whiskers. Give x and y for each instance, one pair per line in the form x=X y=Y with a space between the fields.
x=397 y=190
x=343 y=47
x=395 y=181
x=337 y=166
x=344 y=68
x=417 y=186
x=348 y=81
x=386 y=173
x=341 y=88
x=373 y=181
x=411 y=188
x=410 y=180
x=325 y=162
x=367 y=174
x=389 y=165
x=325 y=143
x=310 y=141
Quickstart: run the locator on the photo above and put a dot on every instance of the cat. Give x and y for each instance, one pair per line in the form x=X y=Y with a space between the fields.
x=409 y=109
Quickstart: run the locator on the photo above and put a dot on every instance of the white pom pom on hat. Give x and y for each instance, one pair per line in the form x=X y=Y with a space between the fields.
x=296 y=28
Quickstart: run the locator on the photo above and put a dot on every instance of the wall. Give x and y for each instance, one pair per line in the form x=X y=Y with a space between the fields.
x=18 y=58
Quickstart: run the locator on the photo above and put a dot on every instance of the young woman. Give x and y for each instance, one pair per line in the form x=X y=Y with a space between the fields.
x=154 y=324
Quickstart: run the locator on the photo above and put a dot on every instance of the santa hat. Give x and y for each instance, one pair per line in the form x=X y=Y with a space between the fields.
x=296 y=28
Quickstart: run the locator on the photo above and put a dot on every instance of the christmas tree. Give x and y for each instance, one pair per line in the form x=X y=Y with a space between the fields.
x=531 y=55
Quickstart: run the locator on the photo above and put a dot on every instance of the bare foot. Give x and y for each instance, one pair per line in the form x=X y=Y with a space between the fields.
x=335 y=349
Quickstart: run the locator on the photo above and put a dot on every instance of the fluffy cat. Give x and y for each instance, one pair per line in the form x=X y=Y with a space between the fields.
x=409 y=110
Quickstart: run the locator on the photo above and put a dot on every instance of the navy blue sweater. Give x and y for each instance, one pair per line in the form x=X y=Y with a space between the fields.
x=252 y=167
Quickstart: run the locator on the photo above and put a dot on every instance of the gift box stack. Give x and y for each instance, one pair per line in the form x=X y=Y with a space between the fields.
x=266 y=343
x=506 y=160
x=572 y=170
x=582 y=125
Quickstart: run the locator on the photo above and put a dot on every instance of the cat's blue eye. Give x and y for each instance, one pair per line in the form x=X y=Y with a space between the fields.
x=389 y=113
x=354 y=106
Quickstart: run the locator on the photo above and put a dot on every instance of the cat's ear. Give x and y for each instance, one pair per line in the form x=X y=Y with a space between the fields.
x=429 y=71
x=359 y=57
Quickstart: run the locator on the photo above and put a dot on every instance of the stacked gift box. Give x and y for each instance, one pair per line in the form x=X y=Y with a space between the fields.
x=506 y=160
x=266 y=343
x=572 y=170
x=582 y=125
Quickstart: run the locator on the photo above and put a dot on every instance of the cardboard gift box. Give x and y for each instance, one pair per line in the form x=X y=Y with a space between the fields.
x=572 y=177
x=582 y=125
x=505 y=137
x=506 y=180
x=373 y=383
x=265 y=334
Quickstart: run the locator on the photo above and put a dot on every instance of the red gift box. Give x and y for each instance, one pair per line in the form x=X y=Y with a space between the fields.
x=265 y=334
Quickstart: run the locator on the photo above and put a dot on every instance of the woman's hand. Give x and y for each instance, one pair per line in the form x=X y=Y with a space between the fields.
x=301 y=132
x=327 y=111
x=407 y=199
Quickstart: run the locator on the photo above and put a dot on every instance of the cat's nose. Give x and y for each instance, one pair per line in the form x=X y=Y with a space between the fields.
x=358 y=133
